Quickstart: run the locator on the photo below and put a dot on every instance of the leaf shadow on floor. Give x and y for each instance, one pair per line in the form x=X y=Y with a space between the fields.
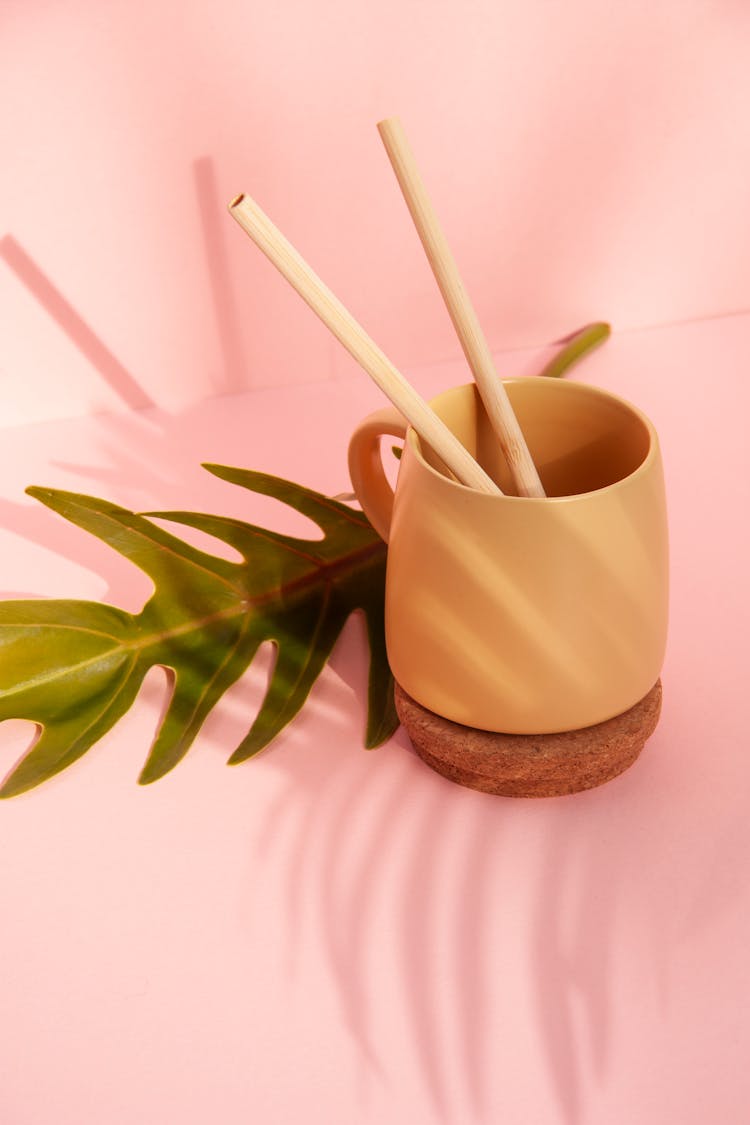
x=494 y=929
x=396 y=874
x=509 y=941
x=464 y=934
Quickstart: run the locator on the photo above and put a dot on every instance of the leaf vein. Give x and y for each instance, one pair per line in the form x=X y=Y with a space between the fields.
x=110 y=704
x=170 y=549
x=220 y=667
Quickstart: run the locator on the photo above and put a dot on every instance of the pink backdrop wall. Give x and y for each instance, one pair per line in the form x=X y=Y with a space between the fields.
x=324 y=934
x=588 y=160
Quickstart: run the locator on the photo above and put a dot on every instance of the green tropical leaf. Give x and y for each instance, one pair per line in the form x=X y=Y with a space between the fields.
x=75 y=667
x=576 y=347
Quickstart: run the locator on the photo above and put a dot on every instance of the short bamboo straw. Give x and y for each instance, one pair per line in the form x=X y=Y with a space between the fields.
x=354 y=338
x=475 y=346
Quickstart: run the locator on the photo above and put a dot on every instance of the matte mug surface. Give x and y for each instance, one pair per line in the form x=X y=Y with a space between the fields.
x=514 y=614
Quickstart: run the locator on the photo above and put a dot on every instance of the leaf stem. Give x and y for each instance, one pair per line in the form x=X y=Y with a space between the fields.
x=576 y=347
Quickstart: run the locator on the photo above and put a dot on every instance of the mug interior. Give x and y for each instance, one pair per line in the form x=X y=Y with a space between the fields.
x=580 y=438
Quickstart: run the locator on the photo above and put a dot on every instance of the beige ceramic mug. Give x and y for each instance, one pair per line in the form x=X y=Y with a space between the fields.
x=527 y=616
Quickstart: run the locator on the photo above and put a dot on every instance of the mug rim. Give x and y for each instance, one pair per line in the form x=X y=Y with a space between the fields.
x=414 y=441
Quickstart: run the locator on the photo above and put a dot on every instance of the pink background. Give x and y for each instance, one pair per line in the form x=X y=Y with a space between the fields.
x=326 y=934
x=588 y=160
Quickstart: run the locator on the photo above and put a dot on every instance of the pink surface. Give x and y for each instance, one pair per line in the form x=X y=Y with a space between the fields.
x=587 y=160
x=332 y=935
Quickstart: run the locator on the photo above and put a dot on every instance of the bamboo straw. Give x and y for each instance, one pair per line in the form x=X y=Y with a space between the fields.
x=356 y=341
x=475 y=346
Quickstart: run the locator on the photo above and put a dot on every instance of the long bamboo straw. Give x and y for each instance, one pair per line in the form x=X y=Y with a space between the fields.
x=475 y=346
x=356 y=341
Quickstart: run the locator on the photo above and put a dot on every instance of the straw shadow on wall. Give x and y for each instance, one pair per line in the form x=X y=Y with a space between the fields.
x=115 y=374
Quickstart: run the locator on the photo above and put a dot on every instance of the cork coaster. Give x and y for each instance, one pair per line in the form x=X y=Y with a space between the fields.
x=530 y=765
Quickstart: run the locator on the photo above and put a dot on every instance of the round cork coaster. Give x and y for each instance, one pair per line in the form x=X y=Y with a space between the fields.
x=530 y=765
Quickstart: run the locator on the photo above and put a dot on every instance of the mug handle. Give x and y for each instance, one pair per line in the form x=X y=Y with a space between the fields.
x=366 y=466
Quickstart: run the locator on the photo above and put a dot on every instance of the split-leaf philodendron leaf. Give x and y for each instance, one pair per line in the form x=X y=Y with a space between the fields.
x=75 y=667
